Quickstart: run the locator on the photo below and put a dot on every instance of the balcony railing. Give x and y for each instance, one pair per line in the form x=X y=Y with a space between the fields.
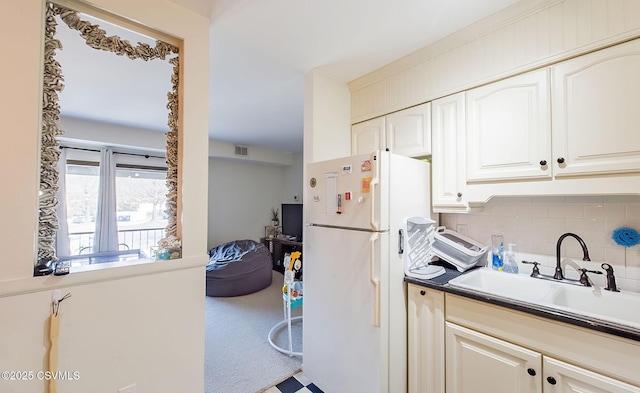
x=128 y=239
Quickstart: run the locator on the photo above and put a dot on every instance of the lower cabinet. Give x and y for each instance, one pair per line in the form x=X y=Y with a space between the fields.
x=476 y=362
x=425 y=325
x=564 y=377
x=445 y=356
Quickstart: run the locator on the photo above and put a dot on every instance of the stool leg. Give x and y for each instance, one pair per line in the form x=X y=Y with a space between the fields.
x=289 y=326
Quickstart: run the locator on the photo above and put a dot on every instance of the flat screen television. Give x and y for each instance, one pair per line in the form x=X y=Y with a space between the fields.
x=292 y=220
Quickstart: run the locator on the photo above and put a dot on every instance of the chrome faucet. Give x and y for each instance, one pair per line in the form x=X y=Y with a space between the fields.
x=558 y=275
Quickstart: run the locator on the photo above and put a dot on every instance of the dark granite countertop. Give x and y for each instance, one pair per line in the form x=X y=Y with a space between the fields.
x=442 y=283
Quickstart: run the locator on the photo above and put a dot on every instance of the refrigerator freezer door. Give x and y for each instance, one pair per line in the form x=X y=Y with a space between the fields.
x=344 y=350
x=347 y=192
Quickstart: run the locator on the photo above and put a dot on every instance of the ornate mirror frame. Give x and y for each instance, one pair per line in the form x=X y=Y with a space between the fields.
x=53 y=80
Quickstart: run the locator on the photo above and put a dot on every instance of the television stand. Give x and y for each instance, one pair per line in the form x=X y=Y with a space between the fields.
x=279 y=247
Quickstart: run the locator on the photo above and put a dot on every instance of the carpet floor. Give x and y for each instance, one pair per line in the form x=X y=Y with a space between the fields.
x=238 y=356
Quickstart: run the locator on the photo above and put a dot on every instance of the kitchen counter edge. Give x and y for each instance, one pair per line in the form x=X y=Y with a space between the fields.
x=534 y=309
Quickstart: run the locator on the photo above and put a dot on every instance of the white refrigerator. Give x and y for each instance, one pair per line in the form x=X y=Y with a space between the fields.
x=354 y=326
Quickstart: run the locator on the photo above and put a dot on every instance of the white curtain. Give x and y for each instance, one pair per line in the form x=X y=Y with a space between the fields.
x=62 y=235
x=106 y=236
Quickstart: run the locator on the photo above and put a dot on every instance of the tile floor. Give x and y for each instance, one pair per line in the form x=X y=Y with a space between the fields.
x=298 y=383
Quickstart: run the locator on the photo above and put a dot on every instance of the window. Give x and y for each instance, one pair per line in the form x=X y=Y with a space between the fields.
x=140 y=204
x=82 y=185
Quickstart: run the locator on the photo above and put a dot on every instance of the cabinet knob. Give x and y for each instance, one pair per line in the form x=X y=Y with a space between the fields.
x=560 y=160
x=543 y=162
x=531 y=372
x=459 y=195
x=551 y=380
x=423 y=293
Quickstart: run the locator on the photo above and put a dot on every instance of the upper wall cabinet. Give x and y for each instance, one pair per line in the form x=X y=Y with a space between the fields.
x=407 y=132
x=448 y=158
x=509 y=129
x=368 y=136
x=596 y=112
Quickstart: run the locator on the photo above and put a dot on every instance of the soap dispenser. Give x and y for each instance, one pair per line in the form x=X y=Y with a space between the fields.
x=510 y=264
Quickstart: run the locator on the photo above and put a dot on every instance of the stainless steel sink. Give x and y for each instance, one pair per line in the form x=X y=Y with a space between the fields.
x=618 y=307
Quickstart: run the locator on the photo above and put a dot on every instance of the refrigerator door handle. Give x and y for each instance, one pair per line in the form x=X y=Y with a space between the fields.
x=374 y=225
x=374 y=281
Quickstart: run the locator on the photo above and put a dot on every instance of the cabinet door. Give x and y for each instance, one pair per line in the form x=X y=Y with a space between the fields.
x=409 y=131
x=368 y=136
x=508 y=129
x=596 y=102
x=561 y=377
x=425 y=315
x=448 y=158
x=476 y=363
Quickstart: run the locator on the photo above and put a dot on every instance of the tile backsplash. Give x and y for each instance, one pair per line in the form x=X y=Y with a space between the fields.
x=534 y=225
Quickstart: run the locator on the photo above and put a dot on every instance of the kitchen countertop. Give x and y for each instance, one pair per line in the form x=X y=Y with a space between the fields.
x=442 y=283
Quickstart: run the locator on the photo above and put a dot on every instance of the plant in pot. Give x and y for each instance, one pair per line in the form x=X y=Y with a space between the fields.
x=275 y=217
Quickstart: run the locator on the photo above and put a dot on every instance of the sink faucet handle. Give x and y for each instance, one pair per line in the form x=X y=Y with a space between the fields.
x=611 y=278
x=535 y=271
x=584 y=279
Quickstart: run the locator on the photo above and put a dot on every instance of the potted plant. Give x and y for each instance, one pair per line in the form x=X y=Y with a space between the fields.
x=275 y=217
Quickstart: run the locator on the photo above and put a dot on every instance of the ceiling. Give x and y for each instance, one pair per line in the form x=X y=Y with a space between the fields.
x=260 y=51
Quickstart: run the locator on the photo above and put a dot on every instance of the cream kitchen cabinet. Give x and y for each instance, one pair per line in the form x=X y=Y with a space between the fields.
x=588 y=145
x=426 y=352
x=508 y=132
x=368 y=136
x=491 y=348
x=561 y=377
x=595 y=106
x=477 y=362
x=406 y=132
x=448 y=181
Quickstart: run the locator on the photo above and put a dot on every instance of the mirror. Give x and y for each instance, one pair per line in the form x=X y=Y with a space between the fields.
x=105 y=43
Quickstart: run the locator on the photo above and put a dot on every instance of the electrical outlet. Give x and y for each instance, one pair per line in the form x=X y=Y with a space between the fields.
x=128 y=389
x=462 y=229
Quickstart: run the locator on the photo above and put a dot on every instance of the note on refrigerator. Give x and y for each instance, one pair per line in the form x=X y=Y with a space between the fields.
x=331 y=200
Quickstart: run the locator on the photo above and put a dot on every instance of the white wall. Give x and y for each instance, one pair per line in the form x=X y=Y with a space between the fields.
x=241 y=194
x=256 y=154
x=327 y=125
x=111 y=134
x=293 y=180
x=142 y=324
